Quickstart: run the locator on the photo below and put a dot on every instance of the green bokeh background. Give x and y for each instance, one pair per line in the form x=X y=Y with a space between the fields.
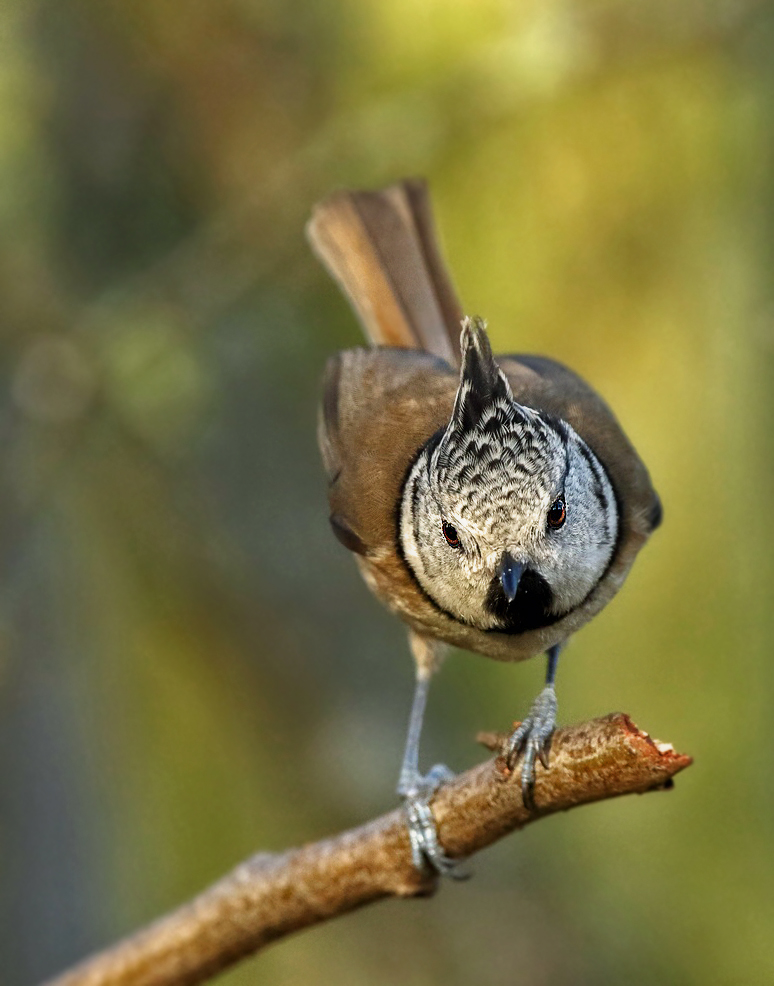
x=190 y=667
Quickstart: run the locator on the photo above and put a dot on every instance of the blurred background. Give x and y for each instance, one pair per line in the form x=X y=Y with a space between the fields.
x=190 y=667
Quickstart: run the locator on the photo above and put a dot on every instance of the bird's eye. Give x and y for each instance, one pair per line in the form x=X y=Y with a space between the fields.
x=558 y=513
x=451 y=535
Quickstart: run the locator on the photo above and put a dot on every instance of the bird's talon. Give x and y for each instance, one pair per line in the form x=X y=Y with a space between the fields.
x=544 y=752
x=438 y=774
x=426 y=849
x=532 y=738
x=528 y=794
x=516 y=743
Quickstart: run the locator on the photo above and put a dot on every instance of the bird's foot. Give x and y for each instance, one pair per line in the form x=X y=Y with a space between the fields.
x=426 y=849
x=533 y=738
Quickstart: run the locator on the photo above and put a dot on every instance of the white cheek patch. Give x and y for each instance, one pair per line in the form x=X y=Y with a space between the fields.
x=577 y=557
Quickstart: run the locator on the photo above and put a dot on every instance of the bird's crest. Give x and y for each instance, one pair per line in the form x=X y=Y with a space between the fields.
x=482 y=382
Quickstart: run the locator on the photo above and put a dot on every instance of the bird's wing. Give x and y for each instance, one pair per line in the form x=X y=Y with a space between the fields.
x=379 y=407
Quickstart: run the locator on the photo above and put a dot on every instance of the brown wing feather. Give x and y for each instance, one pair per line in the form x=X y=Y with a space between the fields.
x=382 y=249
x=379 y=408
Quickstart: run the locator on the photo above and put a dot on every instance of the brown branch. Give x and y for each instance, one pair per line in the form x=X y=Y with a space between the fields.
x=269 y=896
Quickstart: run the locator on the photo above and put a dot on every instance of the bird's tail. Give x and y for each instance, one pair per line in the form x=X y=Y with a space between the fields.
x=382 y=249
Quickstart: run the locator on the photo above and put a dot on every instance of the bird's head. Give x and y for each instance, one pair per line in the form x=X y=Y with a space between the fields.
x=508 y=520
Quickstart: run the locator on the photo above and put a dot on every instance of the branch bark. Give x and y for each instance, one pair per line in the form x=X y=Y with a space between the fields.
x=271 y=895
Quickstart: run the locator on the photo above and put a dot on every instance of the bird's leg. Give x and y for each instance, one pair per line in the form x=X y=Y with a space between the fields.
x=417 y=789
x=533 y=736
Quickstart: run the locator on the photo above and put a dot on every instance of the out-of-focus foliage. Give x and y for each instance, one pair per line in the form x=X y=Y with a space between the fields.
x=190 y=668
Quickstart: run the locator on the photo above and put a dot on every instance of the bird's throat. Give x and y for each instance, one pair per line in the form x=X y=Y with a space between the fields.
x=530 y=608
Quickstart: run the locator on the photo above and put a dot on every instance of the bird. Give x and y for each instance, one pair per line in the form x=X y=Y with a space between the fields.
x=493 y=503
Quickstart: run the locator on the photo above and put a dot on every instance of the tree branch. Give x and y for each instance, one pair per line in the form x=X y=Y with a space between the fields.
x=271 y=895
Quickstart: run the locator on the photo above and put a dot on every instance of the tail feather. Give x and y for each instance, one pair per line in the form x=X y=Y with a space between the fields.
x=382 y=249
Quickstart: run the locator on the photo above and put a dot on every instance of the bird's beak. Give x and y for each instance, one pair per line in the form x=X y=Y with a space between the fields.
x=510 y=574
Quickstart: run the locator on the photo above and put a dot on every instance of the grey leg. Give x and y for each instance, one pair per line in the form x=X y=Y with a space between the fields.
x=416 y=789
x=534 y=734
x=410 y=780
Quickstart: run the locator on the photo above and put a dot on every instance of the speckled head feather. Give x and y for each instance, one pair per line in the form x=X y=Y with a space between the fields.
x=494 y=451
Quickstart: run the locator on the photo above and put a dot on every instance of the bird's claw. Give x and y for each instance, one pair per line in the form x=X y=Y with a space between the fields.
x=426 y=849
x=532 y=738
